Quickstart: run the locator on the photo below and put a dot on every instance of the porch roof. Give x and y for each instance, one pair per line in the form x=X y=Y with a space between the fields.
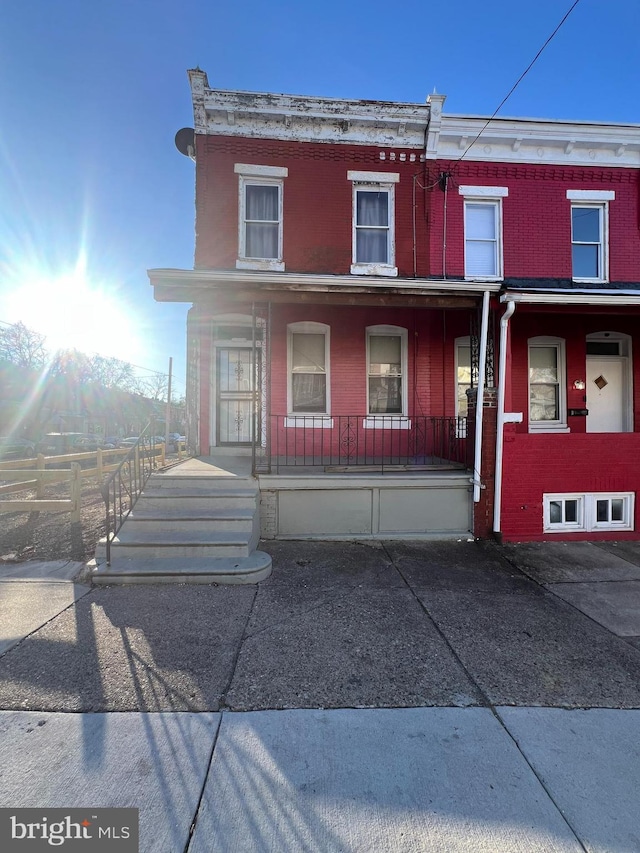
x=615 y=298
x=176 y=285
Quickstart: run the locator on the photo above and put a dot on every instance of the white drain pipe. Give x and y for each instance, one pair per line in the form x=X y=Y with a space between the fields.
x=502 y=379
x=477 y=451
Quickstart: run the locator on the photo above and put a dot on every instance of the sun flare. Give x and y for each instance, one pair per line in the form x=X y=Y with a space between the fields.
x=74 y=312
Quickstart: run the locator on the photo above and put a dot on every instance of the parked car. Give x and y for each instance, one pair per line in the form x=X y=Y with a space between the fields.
x=130 y=441
x=90 y=443
x=145 y=440
x=176 y=441
x=58 y=443
x=16 y=448
x=113 y=439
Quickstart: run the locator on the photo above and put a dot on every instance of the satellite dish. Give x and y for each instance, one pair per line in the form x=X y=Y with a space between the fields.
x=186 y=142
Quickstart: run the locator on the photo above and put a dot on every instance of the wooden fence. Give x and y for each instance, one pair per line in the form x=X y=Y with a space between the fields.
x=20 y=475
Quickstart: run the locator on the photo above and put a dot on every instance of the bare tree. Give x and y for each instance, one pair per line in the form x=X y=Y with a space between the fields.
x=113 y=373
x=75 y=366
x=22 y=346
x=155 y=386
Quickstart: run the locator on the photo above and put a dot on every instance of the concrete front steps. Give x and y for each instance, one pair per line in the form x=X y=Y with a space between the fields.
x=188 y=528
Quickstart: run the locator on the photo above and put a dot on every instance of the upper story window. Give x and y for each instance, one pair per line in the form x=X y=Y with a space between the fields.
x=483 y=231
x=547 y=384
x=386 y=370
x=308 y=358
x=373 y=226
x=590 y=234
x=260 y=226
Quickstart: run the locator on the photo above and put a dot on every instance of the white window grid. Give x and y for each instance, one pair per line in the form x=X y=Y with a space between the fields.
x=489 y=196
x=379 y=182
x=461 y=344
x=602 y=243
x=587 y=512
x=394 y=420
x=495 y=241
x=599 y=199
x=560 y=423
x=312 y=419
x=250 y=174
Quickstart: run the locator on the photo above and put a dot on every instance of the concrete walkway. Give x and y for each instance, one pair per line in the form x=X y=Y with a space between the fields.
x=417 y=779
x=385 y=696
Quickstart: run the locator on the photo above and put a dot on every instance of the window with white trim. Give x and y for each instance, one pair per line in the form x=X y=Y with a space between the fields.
x=373 y=224
x=261 y=212
x=590 y=234
x=547 y=385
x=483 y=231
x=386 y=370
x=564 y=513
x=587 y=242
x=463 y=384
x=308 y=368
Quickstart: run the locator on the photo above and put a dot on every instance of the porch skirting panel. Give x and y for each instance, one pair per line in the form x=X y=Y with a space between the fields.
x=353 y=506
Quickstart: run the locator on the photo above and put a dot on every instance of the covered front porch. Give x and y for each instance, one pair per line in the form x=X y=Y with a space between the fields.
x=347 y=398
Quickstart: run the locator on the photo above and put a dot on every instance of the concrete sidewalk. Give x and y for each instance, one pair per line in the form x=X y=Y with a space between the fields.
x=396 y=696
x=418 y=779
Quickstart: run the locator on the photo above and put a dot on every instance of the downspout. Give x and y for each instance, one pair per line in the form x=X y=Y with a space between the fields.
x=502 y=379
x=477 y=453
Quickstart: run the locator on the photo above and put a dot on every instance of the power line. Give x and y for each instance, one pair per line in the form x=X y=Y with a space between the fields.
x=518 y=81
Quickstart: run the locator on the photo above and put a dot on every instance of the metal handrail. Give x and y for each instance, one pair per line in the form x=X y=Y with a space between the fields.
x=123 y=487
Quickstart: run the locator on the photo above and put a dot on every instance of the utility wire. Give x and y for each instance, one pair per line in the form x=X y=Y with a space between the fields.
x=518 y=81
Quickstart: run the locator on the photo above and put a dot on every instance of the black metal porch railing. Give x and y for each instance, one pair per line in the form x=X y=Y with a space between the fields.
x=379 y=443
x=123 y=487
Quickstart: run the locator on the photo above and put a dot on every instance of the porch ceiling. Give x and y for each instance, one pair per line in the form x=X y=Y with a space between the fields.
x=240 y=286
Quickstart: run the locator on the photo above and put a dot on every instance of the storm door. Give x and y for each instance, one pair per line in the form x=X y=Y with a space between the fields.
x=235 y=395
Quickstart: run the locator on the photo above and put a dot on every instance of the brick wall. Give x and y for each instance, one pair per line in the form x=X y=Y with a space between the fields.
x=535 y=464
x=573 y=328
x=431 y=336
x=577 y=461
x=537 y=217
x=483 y=509
x=317 y=201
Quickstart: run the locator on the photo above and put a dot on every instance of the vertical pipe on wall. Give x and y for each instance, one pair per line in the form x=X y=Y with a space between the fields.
x=502 y=379
x=477 y=453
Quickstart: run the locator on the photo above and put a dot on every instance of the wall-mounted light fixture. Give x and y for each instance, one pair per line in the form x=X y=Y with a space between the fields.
x=579 y=385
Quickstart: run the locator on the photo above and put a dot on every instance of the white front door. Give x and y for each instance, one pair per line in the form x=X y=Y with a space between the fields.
x=606 y=394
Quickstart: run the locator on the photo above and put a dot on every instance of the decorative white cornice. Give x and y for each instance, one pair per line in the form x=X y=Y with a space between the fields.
x=542 y=141
x=423 y=127
x=306 y=118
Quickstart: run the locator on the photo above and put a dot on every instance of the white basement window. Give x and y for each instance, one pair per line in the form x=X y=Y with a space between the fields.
x=588 y=512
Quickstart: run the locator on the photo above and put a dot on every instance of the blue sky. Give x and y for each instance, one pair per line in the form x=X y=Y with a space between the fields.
x=93 y=192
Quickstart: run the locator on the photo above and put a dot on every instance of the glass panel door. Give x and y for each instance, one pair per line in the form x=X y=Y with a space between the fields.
x=235 y=398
